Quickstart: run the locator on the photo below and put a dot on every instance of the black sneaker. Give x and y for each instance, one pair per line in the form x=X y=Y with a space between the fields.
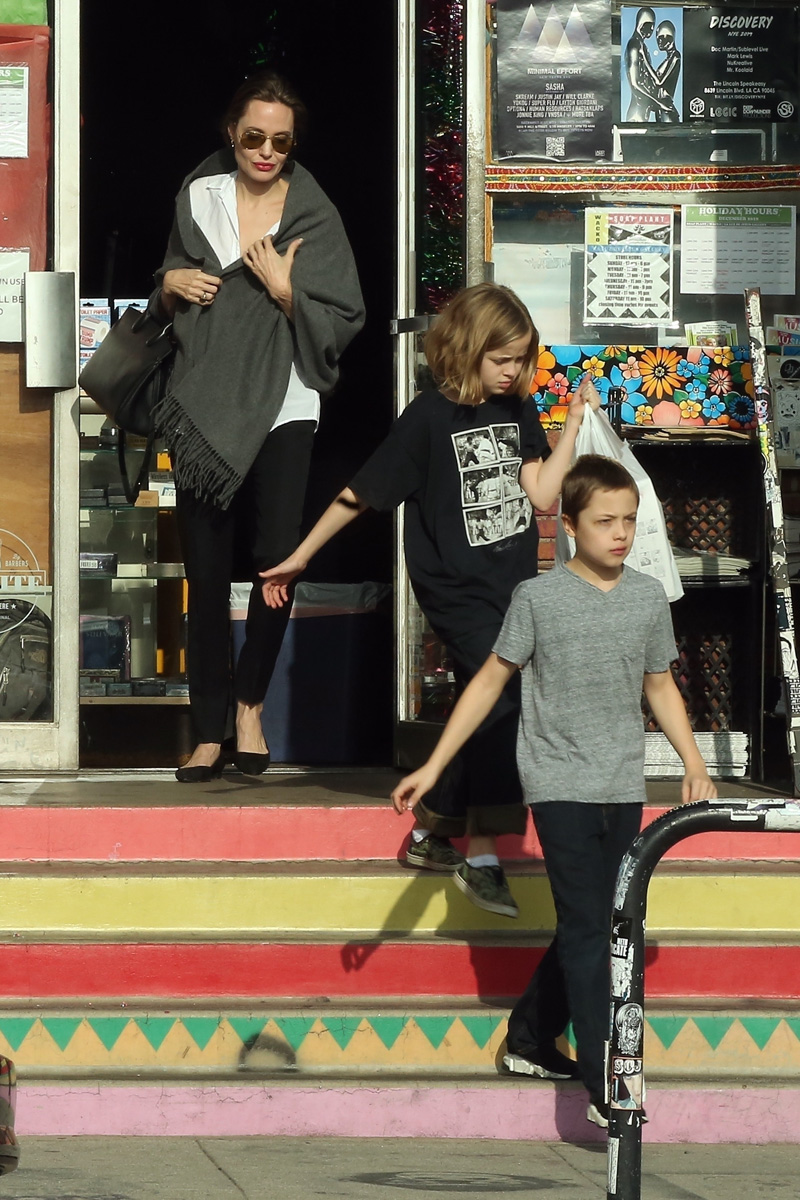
x=487 y=887
x=547 y=1063
x=434 y=853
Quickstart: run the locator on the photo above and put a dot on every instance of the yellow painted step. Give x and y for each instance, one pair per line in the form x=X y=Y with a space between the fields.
x=181 y=1043
x=262 y=903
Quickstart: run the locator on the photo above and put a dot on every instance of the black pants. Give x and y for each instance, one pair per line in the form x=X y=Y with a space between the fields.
x=583 y=847
x=479 y=792
x=259 y=529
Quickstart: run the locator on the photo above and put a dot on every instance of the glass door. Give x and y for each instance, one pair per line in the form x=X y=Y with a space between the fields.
x=434 y=148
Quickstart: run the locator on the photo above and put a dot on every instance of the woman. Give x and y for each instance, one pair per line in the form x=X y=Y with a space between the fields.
x=260 y=281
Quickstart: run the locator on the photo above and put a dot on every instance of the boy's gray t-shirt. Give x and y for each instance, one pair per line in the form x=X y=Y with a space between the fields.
x=584 y=653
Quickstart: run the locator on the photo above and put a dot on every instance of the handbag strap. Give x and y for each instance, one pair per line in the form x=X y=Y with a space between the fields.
x=132 y=489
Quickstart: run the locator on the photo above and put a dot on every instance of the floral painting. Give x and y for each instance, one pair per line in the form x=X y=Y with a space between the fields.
x=663 y=386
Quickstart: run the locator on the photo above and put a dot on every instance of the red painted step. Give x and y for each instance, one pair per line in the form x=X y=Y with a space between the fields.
x=281 y=833
x=209 y=972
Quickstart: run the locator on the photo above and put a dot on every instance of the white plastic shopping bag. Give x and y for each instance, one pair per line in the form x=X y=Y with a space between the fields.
x=651 y=552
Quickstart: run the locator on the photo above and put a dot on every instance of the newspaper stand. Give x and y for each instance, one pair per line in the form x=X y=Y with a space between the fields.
x=626 y=1044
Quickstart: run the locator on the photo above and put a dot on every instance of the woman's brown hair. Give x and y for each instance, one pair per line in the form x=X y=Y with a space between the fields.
x=270 y=88
x=476 y=321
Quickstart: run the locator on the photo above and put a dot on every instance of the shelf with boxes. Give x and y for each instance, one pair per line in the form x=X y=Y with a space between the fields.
x=711 y=491
x=132 y=587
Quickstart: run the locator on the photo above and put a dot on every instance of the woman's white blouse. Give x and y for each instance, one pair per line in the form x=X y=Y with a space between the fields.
x=213 y=201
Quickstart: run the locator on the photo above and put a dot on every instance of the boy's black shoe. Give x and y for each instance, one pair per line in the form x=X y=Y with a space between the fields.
x=547 y=1063
x=487 y=887
x=597 y=1112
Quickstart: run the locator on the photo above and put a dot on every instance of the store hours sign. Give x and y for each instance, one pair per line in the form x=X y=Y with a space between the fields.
x=554 y=80
x=740 y=64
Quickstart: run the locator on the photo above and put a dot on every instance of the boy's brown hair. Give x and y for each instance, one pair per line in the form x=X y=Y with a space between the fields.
x=476 y=321
x=593 y=473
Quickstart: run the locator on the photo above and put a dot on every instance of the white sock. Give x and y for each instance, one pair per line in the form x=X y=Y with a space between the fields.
x=484 y=860
x=419 y=835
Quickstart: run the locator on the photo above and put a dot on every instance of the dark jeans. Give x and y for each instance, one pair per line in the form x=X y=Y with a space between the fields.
x=583 y=847
x=259 y=529
x=479 y=792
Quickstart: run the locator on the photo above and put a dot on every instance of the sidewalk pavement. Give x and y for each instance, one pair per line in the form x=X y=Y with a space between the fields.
x=112 y=1168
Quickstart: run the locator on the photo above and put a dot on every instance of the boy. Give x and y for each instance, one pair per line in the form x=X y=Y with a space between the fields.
x=588 y=636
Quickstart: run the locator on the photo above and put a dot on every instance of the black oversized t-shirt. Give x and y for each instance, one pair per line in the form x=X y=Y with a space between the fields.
x=470 y=532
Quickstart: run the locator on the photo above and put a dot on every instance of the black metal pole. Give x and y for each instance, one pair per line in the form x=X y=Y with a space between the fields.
x=625 y=1067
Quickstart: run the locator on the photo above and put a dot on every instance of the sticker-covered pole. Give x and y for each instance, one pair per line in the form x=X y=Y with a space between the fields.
x=625 y=1075
x=778 y=564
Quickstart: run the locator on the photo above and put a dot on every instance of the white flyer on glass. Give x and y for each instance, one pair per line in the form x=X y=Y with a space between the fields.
x=13 y=265
x=726 y=248
x=13 y=112
x=628 y=275
x=540 y=275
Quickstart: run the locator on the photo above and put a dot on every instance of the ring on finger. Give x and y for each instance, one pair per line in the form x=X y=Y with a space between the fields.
x=205 y=297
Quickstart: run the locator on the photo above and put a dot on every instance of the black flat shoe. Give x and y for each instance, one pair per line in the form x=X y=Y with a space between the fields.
x=200 y=774
x=251 y=764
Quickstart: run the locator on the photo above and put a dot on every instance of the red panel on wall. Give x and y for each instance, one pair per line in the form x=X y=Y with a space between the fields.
x=23 y=181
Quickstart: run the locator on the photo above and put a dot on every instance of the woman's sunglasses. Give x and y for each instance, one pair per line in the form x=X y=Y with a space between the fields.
x=253 y=139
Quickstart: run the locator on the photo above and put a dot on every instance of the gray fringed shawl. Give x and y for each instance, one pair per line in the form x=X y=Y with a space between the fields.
x=233 y=358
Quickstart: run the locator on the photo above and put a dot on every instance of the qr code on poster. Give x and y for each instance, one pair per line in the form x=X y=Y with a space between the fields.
x=554 y=147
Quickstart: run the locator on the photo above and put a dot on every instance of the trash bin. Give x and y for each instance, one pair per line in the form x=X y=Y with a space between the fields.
x=331 y=696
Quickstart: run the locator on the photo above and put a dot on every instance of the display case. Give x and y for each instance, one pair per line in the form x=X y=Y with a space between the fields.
x=132 y=589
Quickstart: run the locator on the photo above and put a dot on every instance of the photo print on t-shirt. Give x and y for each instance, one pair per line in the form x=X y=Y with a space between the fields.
x=492 y=500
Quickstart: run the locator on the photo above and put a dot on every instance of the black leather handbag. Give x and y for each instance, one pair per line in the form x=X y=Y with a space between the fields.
x=126 y=377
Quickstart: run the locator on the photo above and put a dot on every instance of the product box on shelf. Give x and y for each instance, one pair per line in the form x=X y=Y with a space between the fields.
x=94 y=322
x=93 y=497
x=149 y=687
x=97 y=563
x=91 y=687
x=105 y=644
x=163 y=483
x=140 y=304
x=119 y=687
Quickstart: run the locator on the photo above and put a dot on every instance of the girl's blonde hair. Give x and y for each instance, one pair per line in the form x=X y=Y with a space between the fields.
x=476 y=321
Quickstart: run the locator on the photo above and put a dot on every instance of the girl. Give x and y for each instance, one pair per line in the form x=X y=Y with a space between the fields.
x=467 y=545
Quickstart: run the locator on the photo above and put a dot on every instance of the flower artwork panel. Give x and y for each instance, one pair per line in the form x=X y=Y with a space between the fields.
x=701 y=386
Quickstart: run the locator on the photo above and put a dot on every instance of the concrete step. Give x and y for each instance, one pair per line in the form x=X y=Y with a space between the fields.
x=679 y=1112
x=254 y=956
x=176 y=1040
x=241 y=901
x=490 y=966
x=280 y=830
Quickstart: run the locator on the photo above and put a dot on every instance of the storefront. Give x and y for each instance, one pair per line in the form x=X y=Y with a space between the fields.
x=629 y=171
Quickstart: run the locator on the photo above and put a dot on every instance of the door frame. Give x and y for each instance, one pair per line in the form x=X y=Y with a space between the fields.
x=32 y=746
x=413 y=739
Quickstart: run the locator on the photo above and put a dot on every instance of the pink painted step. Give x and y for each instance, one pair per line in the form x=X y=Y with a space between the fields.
x=498 y=1110
x=285 y=833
